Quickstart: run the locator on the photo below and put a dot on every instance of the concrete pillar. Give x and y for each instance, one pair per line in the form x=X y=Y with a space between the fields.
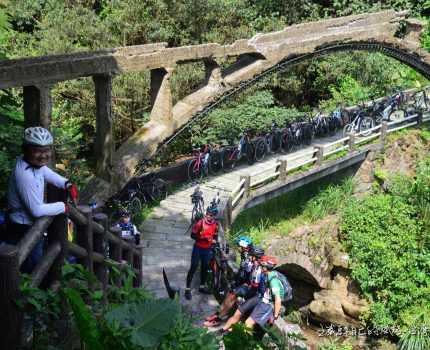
x=351 y=142
x=283 y=169
x=104 y=145
x=213 y=71
x=161 y=95
x=320 y=154
x=384 y=128
x=246 y=185
x=37 y=106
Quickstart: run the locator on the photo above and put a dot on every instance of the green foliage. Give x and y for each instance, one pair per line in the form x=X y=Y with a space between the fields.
x=383 y=239
x=242 y=338
x=329 y=200
x=84 y=320
x=124 y=318
x=145 y=322
x=284 y=213
x=186 y=336
x=417 y=338
x=256 y=112
x=334 y=345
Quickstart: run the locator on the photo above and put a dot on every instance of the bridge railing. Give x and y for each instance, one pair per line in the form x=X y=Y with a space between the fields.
x=97 y=247
x=316 y=155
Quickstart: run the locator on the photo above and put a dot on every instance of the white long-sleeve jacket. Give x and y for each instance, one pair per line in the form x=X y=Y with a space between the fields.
x=26 y=190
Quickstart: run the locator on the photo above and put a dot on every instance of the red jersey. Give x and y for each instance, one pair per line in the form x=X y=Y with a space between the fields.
x=206 y=232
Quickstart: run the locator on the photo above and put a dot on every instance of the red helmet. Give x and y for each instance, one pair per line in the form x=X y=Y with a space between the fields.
x=268 y=261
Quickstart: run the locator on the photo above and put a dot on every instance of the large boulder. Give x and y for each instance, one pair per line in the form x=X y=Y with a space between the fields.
x=338 y=304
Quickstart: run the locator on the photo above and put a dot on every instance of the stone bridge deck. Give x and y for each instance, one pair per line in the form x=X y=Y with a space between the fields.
x=164 y=234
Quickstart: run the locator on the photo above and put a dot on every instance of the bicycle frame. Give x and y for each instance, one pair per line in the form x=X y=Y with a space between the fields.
x=202 y=158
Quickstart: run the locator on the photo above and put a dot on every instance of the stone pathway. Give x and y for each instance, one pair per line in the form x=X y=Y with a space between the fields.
x=166 y=240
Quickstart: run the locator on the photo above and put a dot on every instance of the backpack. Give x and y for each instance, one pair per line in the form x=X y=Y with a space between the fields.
x=288 y=291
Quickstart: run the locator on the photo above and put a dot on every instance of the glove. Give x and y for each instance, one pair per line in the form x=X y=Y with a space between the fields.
x=73 y=192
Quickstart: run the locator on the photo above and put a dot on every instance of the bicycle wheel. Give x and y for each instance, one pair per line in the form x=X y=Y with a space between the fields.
x=134 y=207
x=307 y=134
x=194 y=170
x=260 y=150
x=366 y=124
x=348 y=129
x=286 y=142
x=250 y=152
x=276 y=141
x=228 y=158
x=159 y=189
x=215 y=162
x=397 y=115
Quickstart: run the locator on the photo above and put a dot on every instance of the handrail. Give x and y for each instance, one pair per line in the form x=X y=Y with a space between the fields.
x=402 y=127
x=45 y=264
x=238 y=187
x=342 y=140
x=32 y=236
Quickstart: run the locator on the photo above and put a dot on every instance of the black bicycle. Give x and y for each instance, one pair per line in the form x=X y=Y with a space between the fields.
x=231 y=155
x=219 y=280
x=198 y=205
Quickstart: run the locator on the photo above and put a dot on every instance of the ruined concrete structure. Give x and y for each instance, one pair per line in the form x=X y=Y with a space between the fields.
x=370 y=31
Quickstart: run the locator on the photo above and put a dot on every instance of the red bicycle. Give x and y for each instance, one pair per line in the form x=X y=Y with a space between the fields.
x=205 y=160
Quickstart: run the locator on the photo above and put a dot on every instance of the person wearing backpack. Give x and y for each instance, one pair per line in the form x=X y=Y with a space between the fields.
x=26 y=191
x=278 y=290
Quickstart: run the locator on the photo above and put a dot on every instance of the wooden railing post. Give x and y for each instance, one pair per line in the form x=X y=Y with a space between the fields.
x=11 y=315
x=100 y=269
x=116 y=251
x=319 y=154
x=351 y=142
x=283 y=169
x=227 y=213
x=246 y=185
x=384 y=129
x=57 y=232
x=84 y=237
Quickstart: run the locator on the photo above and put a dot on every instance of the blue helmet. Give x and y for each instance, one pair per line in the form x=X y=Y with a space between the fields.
x=244 y=242
x=213 y=210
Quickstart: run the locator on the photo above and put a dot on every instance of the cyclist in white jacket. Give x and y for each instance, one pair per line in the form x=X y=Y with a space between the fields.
x=27 y=188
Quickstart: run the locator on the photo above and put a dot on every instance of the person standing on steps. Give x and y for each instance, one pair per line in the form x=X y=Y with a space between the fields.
x=205 y=234
x=26 y=191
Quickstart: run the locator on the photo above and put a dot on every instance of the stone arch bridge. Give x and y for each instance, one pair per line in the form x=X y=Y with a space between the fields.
x=257 y=57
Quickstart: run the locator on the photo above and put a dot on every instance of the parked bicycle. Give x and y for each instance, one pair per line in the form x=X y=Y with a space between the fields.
x=273 y=138
x=219 y=280
x=231 y=155
x=361 y=123
x=205 y=160
x=421 y=100
x=138 y=193
x=389 y=110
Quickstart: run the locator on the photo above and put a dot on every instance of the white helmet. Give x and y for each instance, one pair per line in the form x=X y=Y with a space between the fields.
x=37 y=136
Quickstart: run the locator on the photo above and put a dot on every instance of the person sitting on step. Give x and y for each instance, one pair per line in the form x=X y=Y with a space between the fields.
x=241 y=295
x=128 y=230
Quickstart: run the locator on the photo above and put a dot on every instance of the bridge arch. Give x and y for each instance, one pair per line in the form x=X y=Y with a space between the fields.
x=397 y=52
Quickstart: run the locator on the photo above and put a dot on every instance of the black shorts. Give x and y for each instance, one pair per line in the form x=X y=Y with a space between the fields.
x=247 y=307
x=245 y=291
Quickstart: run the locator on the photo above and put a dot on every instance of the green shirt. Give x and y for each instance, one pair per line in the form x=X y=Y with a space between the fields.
x=274 y=288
